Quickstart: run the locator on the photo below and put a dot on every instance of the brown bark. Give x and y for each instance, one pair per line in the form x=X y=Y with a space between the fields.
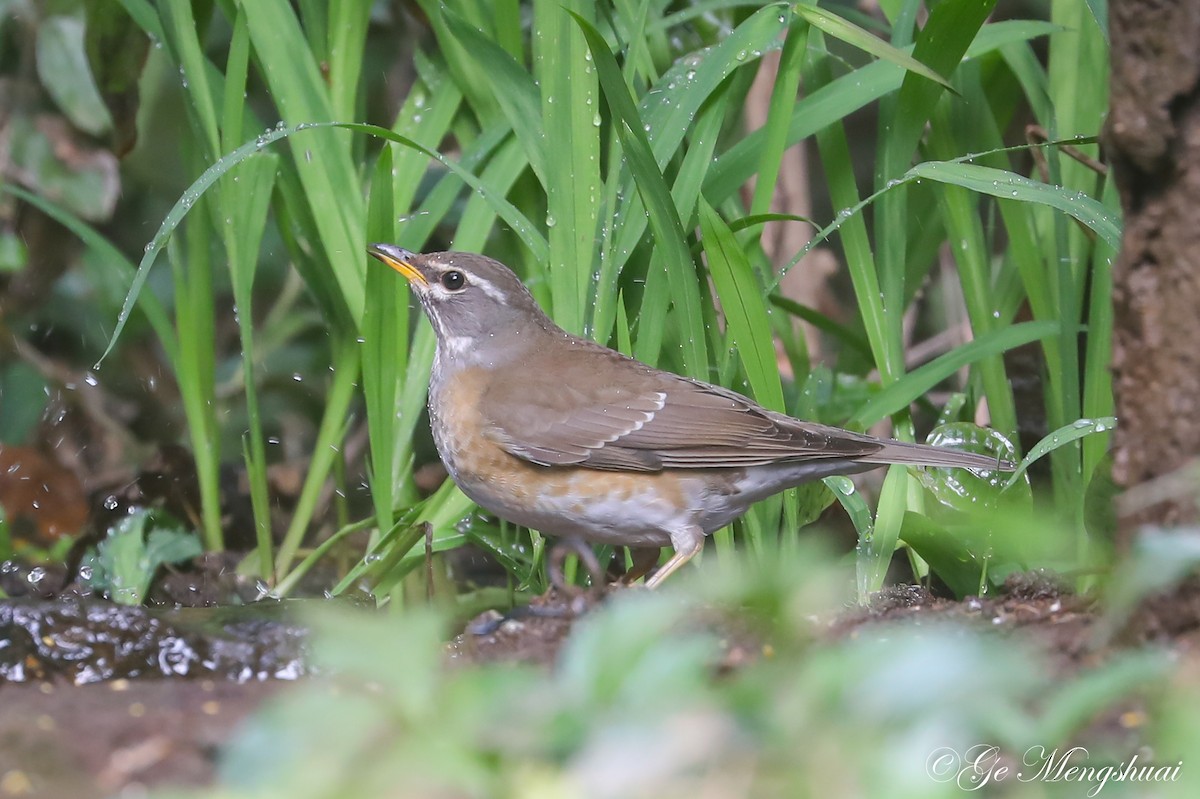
x=1153 y=141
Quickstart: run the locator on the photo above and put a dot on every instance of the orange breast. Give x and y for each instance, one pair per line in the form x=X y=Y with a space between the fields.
x=562 y=500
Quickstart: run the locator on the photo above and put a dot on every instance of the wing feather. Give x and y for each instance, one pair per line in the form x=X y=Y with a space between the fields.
x=649 y=421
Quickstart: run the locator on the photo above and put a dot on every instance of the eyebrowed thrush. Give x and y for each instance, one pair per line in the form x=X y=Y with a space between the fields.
x=560 y=434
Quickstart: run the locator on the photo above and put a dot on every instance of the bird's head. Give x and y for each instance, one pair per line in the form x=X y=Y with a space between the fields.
x=473 y=302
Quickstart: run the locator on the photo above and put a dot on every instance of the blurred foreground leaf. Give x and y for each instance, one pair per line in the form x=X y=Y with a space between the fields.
x=640 y=704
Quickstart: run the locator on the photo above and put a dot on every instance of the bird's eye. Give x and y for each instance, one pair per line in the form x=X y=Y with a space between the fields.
x=454 y=280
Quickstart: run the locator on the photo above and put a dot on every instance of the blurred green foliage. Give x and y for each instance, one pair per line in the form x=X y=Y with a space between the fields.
x=638 y=704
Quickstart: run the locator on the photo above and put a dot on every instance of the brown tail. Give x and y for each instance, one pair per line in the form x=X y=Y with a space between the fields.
x=925 y=455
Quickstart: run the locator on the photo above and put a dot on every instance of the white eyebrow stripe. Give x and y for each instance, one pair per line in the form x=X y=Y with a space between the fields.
x=489 y=289
x=486 y=286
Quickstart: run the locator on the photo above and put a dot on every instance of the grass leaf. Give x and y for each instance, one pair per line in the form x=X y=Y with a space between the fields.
x=744 y=308
x=866 y=41
x=1009 y=185
x=899 y=394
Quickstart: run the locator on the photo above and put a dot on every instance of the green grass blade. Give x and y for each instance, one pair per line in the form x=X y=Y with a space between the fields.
x=479 y=216
x=834 y=149
x=941 y=44
x=744 y=308
x=193 y=273
x=570 y=101
x=515 y=91
x=666 y=112
x=330 y=183
x=468 y=74
x=438 y=204
x=529 y=235
x=866 y=41
x=143 y=13
x=347 y=40
x=1042 y=194
x=843 y=96
x=182 y=35
x=1061 y=438
x=1097 y=375
x=330 y=432
x=664 y=218
x=245 y=199
x=960 y=211
x=1009 y=185
x=508 y=27
x=898 y=395
x=847 y=336
x=236 y=70
x=779 y=114
x=875 y=554
x=426 y=116
x=384 y=346
x=1099 y=12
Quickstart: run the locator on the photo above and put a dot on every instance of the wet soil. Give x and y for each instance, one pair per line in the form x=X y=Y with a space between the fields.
x=68 y=730
x=59 y=740
x=1035 y=606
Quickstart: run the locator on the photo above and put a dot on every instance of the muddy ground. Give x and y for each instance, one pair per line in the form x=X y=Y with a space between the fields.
x=62 y=740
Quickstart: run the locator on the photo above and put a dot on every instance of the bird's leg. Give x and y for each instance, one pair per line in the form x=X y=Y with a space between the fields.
x=687 y=543
x=562 y=601
x=558 y=557
x=643 y=560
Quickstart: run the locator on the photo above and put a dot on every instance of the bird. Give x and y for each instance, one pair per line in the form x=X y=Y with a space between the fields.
x=555 y=432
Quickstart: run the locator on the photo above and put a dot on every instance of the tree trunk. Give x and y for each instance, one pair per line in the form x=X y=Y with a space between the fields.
x=1153 y=142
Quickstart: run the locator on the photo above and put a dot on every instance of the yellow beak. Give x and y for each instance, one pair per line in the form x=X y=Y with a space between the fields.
x=399 y=259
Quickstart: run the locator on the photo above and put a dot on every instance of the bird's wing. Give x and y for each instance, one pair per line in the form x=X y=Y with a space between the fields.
x=648 y=421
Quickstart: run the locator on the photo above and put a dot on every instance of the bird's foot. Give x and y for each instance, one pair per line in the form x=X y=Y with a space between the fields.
x=562 y=600
x=644 y=560
x=582 y=550
x=554 y=604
